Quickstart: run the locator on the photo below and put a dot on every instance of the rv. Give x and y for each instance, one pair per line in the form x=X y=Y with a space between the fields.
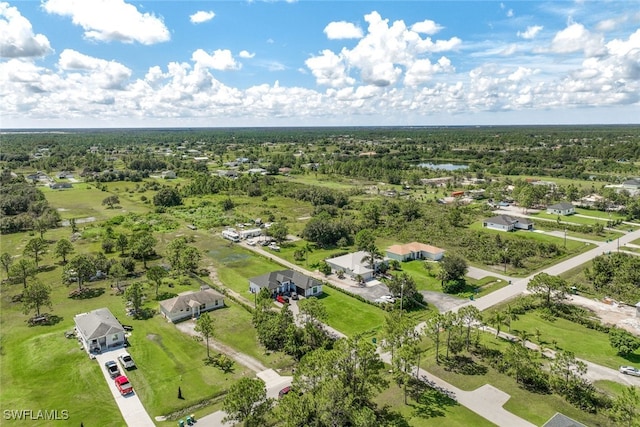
x=231 y=234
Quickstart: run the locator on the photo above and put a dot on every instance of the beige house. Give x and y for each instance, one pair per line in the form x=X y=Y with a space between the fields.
x=190 y=304
x=414 y=250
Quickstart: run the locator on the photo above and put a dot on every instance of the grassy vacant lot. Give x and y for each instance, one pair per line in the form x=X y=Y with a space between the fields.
x=571 y=336
x=350 y=316
x=433 y=410
x=571 y=219
x=536 y=408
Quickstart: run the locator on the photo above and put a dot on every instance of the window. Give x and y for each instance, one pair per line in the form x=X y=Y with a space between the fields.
x=215 y=302
x=315 y=290
x=115 y=337
x=203 y=306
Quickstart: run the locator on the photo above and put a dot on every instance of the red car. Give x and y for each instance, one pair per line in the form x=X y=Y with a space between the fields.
x=123 y=384
x=282 y=299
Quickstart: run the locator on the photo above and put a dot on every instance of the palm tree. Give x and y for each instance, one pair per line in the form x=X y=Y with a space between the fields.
x=496 y=320
x=524 y=336
x=510 y=316
x=373 y=254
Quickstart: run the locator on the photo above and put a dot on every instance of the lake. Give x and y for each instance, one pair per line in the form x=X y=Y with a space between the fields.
x=442 y=166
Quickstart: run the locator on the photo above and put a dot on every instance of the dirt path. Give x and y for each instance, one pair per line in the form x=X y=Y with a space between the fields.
x=245 y=360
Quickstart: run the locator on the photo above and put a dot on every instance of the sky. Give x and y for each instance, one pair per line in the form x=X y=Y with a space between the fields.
x=166 y=63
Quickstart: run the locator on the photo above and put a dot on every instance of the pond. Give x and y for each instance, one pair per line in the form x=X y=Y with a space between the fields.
x=442 y=166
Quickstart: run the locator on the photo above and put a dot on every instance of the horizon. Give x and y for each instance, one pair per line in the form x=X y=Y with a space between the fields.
x=72 y=64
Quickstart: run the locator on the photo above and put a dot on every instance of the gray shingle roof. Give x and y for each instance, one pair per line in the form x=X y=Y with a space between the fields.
x=97 y=323
x=191 y=299
x=275 y=278
x=561 y=206
x=561 y=420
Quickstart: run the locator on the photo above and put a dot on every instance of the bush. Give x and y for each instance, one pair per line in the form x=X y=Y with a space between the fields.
x=453 y=286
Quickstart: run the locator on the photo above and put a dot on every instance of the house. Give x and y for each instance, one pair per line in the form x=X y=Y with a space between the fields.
x=169 y=174
x=60 y=185
x=592 y=200
x=228 y=174
x=507 y=223
x=190 y=304
x=99 y=330
x=561 y=420
x=632 y=184
x=353 y=265
x=64 y=175
x=562 y=208
x=282 y=281
x=414 y=250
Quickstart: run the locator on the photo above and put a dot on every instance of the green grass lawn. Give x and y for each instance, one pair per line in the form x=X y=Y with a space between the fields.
x=613 y=216
x=536 y=408
x=586 y=343
x=416 y=414
x=350 y=316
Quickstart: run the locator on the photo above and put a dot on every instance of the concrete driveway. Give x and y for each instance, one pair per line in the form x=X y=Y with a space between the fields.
x=130 y=406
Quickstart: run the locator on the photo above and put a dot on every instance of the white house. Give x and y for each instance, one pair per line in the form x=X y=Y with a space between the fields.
x=99 y=330
x=507 y=223
x=286 y=281
x=562 y=208
x=353 y=265
x=414 y=250
x=190 y=304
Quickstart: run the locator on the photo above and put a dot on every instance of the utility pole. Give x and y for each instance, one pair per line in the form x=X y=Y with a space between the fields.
x=565 y=238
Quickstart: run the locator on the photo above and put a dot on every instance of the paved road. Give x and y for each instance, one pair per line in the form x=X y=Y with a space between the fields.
x=130 y=406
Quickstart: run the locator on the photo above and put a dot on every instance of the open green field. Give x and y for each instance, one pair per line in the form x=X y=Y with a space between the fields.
x=570 y=219
x=613 y=216
x=327 y=181
x=570 y=336
x=350 y=316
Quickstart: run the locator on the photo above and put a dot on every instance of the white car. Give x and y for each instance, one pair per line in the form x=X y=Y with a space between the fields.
x=388 y=298
x=630 y=370
x=274 y=247
x=126 y=361
x=251 y=242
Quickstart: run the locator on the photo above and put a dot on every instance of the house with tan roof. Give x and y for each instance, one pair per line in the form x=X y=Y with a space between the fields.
x=190 y=304
x=414 y=250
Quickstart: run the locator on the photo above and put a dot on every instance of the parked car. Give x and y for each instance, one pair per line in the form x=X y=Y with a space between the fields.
x=126 y=361
x=388 y=298
x=282 y=299
x=294 y=296
x=112 y=368
x=630 y=370
x=123 y=385
x=251 y=242
x=284 y=391
x=274 y=247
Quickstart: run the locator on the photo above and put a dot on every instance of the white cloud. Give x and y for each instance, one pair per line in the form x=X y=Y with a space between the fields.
x=423 y=71
x=16 y=36
x=531 y=32
x=201 y=16
x=107 y=74
x=510 y=13
x=221 y=59
x=329 y=69
x=426 y=27
x=246 y=54
x=342 y=30
x=111 y=20
x=576 y=38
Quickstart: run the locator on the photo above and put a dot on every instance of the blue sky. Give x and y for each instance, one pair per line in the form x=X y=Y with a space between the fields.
x=116 y=63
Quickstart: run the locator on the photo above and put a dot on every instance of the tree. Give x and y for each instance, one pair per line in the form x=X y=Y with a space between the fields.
x=134 y=294
x=81 y=268
x=122 y=242
x=364 y=240
x=204 y=326
x=182 y=257
x=6 y=260
x=551 y=288
x=227 y=204
x=565 y=368
x=36 y=247
x=622 y=341
x=118 y=272
x=469 y=316
x=278 y=231
x=496 y=320
x=433 y=329
x=246 y=402
x=453 y=267
x=36 y=295
x=398 y=330
x=74 y=225
x=404 y=286
x=143 y=246
x=167 y=197
x=155 y=274
x=63 y=249
x=510 y=315
x=111 y=201
x=22 y=270
x=625 y=410
x=373 y=254
x=41 y=225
